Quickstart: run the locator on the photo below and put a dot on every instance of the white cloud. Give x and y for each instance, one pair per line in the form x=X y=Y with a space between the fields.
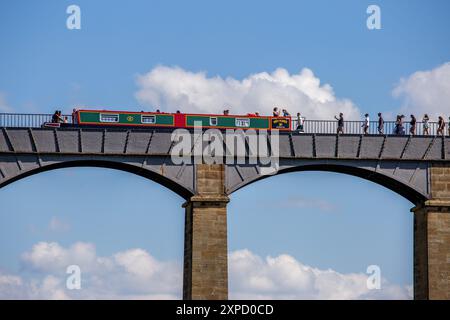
x=135 y=274
x=137 y=262
x=4 y=107
x=132 y=273
x=58 y=225
x=51 y=288
x=426 y=92
x=283 y=277
x=14 y=287
x=171 y=88
x=10 y=286
x=52 y=258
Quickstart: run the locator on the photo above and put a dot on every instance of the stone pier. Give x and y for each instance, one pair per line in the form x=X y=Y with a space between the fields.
x=205 y=237
x=432 y=239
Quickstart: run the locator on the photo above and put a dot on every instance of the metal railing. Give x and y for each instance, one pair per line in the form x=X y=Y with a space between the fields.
x=27 y=119
x=309 y=126
x=356 y=127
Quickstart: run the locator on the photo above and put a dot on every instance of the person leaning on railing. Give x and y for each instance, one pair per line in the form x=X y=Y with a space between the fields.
x=285 y=113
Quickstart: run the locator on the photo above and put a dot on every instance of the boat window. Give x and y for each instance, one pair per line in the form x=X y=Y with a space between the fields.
x=148 y=119
x=243 y=123
x=107 y=117
x=213 y=121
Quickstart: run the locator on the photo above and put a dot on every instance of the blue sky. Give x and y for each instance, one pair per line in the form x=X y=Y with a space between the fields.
x=322 y=220
x=53 y=66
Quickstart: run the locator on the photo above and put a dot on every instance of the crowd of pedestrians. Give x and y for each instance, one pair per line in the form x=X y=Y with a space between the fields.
x=399 y=125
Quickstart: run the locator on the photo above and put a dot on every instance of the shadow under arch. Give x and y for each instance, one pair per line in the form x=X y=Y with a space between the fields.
x=160 y=179
x=404 y=190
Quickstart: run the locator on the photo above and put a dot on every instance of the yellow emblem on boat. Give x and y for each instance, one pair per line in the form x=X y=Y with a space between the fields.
x=130 y=118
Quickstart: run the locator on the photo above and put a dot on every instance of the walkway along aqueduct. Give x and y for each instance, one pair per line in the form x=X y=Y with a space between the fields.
x=418 y=168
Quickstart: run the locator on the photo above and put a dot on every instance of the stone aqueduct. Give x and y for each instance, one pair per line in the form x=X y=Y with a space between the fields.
x=418 y=168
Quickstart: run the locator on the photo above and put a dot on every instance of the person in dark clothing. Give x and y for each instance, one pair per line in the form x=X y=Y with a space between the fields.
x=399 y=125
x=340 y=128
x=441 y=126
x=412 y=123
x=380 y=123
x=55 y=117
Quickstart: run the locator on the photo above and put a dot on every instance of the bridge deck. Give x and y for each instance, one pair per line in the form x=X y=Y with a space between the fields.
x=159 y=142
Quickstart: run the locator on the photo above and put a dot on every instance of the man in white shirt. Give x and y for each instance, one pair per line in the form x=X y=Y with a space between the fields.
x=300 y=122
x=366 y=123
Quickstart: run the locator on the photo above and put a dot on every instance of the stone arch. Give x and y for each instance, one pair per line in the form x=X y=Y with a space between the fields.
x=117 y=165
x=403 y=188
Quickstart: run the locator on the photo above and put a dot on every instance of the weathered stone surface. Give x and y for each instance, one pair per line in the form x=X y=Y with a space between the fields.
x=440 y=181
x=205 y=244
x=432 y=239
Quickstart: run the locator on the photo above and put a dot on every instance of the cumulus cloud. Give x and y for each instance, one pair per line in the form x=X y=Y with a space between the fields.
x=53 y=258
x=171 y=88
x=14 y=287
x=135 y=274
x=4 y=107
x=426 y=92
x=10 y=286
x=283 y=277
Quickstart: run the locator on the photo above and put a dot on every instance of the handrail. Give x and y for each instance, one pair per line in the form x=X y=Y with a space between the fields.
x=29 y=120
x=356 y=127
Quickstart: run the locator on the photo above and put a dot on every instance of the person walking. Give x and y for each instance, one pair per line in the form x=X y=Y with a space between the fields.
x=399 y=130
x=366 y=123
x=380 y=123
x=300 y=122
x=412 y=123
x=441 y=126
x=426 y=125
x=340 y=128
x=397 y=125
